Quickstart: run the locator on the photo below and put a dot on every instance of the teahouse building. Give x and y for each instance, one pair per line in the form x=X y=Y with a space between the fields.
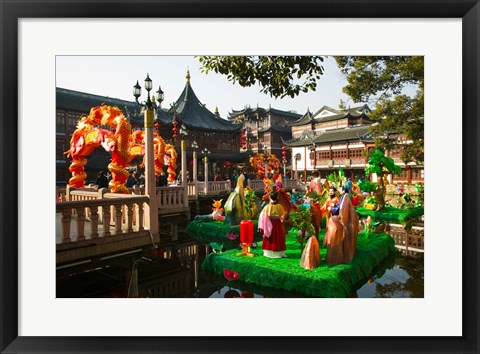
x=333 y=138
x=265 y=127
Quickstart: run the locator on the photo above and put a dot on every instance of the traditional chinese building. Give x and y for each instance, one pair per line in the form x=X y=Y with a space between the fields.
x=265 y=127
x=333 y=138
x=209 y=130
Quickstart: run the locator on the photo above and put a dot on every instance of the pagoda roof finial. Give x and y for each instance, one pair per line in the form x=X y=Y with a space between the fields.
x=188 y=75
x=216 y=110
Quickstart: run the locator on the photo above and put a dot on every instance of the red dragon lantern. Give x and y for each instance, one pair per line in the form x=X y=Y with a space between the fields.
x=123 y=145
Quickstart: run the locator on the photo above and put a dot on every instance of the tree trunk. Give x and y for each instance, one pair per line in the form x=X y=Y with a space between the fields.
x=379 y=193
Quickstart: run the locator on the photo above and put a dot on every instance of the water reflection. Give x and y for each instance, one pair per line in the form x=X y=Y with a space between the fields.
x=403 y=280
x=175 y=271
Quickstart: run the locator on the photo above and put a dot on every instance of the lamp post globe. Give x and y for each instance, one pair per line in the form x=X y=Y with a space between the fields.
x=148 y=83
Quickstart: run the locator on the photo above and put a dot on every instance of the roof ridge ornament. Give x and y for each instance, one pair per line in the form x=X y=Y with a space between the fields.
x=188 y=75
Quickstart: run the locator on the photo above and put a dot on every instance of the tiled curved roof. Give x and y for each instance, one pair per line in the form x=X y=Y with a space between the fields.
x=305 y=119
x=193 y=113
x=262 y=111
x=82 y=102
x=344 y=134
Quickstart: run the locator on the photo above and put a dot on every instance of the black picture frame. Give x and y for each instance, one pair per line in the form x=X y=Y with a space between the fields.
x=12 y=11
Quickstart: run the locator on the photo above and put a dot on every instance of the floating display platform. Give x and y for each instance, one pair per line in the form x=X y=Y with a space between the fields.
x=219 y=233
x=390 y=214
x=286 y=274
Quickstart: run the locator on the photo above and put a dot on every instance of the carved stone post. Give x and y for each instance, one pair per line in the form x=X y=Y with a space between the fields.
x=151 y=210
x=205 y=160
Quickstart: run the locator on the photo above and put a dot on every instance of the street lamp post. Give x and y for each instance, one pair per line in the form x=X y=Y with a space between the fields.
x=183 y=145
x=151 y=211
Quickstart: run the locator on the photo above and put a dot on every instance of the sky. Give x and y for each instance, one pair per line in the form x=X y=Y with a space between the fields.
x=114 y=76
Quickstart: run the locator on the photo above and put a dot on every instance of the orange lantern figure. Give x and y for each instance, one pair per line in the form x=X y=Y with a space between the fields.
x=246 y=237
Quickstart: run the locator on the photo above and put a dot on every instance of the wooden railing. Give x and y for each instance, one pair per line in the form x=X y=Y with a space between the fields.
x=126 y=212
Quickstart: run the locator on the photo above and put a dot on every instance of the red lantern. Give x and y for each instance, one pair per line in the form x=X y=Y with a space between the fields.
x=246 y=231
x=174 y=136
x=175 y=129
x=284 y=153
x=174 y=122
x=157 y=125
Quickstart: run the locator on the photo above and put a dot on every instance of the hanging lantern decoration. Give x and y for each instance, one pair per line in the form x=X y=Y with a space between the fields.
x=284 y=153
x=157 y=127
x=174 y=129
x=243 y=140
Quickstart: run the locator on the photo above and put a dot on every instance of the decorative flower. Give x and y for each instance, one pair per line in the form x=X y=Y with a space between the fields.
x=247 y=294
x=230 y=275
x=232 y=236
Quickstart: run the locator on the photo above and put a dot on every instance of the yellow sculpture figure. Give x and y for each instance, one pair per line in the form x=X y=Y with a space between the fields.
x=234 y=206
x=217 y=210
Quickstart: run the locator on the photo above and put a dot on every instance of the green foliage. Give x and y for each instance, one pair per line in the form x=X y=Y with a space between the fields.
x=302 y=219
x=382 y=80
x=250 y=203
x=277 y=75
x=367 y=186
x=318 y=198
x=380 y=164
x=334 y=178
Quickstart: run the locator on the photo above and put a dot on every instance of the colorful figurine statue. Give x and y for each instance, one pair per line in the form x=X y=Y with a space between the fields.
x=270 y=223
x=342 y=231
x=234 y=206
x=330 y=203
x=217 y=210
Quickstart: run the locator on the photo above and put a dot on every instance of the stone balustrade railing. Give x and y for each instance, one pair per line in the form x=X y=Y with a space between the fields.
x=115 y=214
x=192 y=190
x=256 y=185
x=171 y=198
x=214 y=187
x=290 y=183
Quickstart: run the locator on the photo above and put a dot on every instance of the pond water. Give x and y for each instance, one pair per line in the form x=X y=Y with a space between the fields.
x=174 y=271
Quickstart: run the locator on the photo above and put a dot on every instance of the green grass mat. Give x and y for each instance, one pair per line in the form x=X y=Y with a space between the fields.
x=216 y=231
x=390 y=214
x=286 y=274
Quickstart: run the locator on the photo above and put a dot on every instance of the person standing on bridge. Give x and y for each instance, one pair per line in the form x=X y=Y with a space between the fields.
x=102 y=181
